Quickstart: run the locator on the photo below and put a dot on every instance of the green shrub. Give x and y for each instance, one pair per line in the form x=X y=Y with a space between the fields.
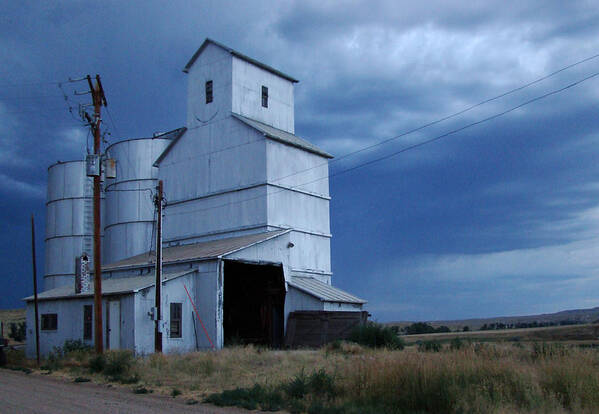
x=97 y=363
x=375 y=335
x=81 y=379
x=298 y=386
x=544 y=350
x=118 y=365
x=249 y=398
x=430 y=346
x=321 y=384
x=54 y=359
x=456 y=343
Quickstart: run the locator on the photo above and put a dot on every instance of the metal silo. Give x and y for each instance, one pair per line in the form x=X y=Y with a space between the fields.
x=69 y=221
x=130 y=217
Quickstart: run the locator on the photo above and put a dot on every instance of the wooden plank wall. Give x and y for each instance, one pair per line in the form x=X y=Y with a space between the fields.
x=317 y=328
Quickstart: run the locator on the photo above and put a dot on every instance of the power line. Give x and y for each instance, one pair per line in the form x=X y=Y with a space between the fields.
x=21 y=84
x=112 y=122
x=405 y=149
x=445 y=118
x=411 y=131
x=538 y=98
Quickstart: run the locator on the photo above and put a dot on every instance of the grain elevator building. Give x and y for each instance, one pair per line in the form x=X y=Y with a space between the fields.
x=246 y=230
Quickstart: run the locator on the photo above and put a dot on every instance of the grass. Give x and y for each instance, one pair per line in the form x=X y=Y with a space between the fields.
x=458 y=377
x=583 y=334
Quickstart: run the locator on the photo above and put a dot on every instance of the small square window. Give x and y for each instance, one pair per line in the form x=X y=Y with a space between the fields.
x=264 y=96
x=208 y=91
x=87 y=321
x=49 y=322
x=176 y=311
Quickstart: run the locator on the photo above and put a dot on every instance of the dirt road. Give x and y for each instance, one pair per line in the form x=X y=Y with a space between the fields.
x=21 y=393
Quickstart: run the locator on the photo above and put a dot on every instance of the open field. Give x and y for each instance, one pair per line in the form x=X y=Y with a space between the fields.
x=579 y=334
x=469 y=376
x=12 y=315
x=8 y=316
x=581 y=316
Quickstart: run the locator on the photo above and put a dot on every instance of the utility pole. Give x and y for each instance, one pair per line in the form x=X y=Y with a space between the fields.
x=98 y=100
x=157 y=334
x=37 y=318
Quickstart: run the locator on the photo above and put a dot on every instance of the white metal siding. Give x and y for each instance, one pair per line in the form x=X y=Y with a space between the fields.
x=69 y=221
x=213 y=64
x=248 y=80
x=129 y=205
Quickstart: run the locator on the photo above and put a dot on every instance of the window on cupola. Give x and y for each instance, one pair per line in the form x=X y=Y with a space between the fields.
x=264 y=96
x=208 y=91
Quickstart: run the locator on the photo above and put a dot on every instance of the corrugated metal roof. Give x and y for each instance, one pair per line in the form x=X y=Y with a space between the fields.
x=173 y=135
x=196 y=251
x=110 y=286
x=237 y=54
x=174 y=140
x=322 y=291
x=282 y=136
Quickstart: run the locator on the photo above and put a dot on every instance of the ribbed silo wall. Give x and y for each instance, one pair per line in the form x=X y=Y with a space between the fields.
x=130 y=217
x=69 y=221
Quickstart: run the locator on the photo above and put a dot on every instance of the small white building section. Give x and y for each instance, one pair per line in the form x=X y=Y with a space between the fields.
x=246 y=230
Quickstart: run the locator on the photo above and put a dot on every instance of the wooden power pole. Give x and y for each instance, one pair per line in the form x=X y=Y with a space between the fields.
x=158 y=316
x=98 y=100
x=37 y=318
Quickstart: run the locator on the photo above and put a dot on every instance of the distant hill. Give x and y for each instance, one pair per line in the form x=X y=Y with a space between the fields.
x=574 y=316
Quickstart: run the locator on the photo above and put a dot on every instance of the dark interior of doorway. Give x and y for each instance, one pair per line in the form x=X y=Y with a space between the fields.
x=253 y=307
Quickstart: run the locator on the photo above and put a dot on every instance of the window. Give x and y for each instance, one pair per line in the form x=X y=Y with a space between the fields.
x=208 y=91
x=87 y=321
x=49 y=322
x=176 y=310
x=264 y=96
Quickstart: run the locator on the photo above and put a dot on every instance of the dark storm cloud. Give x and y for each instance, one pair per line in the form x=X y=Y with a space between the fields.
x=521 y=189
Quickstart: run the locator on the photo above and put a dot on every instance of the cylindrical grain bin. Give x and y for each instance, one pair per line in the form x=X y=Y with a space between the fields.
x=130 y=216
x=69 y=221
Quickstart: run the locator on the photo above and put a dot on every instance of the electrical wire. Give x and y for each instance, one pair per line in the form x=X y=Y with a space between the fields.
x=405 y=149
x=417 y=129
x=112 y=121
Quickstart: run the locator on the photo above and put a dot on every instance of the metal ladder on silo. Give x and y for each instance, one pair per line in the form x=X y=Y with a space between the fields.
x=88 y=217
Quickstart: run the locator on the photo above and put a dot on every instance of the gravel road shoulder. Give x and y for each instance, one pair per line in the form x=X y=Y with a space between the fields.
x=22 y=393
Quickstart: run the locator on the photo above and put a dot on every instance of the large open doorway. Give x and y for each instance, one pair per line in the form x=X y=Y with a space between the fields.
x=254 y=301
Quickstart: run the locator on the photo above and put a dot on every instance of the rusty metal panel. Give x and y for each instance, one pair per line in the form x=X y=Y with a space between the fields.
x=316 y=328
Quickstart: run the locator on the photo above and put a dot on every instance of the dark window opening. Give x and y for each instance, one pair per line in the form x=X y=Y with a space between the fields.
x=176 y=311
x=87 y=321
x=253 y=307
x=49 y=322
x=265 y=96
x=208 y=91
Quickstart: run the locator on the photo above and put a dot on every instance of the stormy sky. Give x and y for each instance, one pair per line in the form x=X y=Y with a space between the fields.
x=499 y=218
